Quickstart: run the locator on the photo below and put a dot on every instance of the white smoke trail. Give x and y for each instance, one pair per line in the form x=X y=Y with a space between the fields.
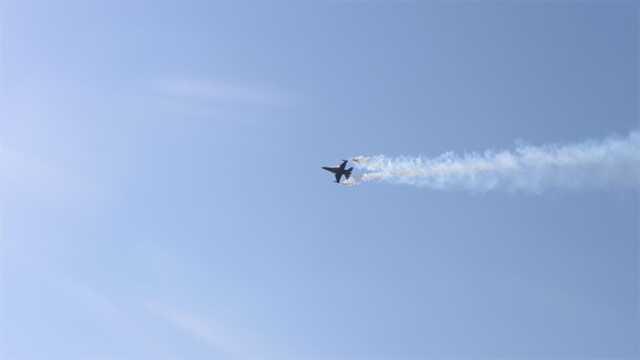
x=614 y=161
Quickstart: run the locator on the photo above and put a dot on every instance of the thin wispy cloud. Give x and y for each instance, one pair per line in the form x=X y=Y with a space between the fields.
x=213 y=335
x=18 y=171
x=117 y=316
x=87 y=298
x=229 y=92
x=25 y=174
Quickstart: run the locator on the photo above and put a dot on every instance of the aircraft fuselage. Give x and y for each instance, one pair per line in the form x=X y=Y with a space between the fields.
x=339 y=171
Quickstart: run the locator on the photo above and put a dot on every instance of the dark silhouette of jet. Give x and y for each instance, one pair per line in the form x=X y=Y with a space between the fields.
x=338 y=171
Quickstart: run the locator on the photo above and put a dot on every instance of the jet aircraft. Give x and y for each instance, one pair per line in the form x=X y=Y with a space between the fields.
x=339 y=171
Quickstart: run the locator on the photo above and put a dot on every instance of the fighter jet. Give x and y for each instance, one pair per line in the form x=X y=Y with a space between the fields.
x=338 y=171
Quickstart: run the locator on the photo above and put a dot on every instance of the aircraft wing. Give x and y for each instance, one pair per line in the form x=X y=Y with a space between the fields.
x=344 y=163
x=338 y=176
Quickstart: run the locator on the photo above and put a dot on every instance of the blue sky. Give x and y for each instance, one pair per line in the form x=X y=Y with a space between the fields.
x=162 y=196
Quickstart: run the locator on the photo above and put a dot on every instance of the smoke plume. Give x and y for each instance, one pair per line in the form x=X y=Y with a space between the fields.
x=614 y=161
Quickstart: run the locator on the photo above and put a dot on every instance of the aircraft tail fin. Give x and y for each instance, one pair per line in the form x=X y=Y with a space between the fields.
x=347 y=173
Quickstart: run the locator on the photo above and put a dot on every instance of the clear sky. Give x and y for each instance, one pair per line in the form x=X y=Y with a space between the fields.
x=162 y=196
